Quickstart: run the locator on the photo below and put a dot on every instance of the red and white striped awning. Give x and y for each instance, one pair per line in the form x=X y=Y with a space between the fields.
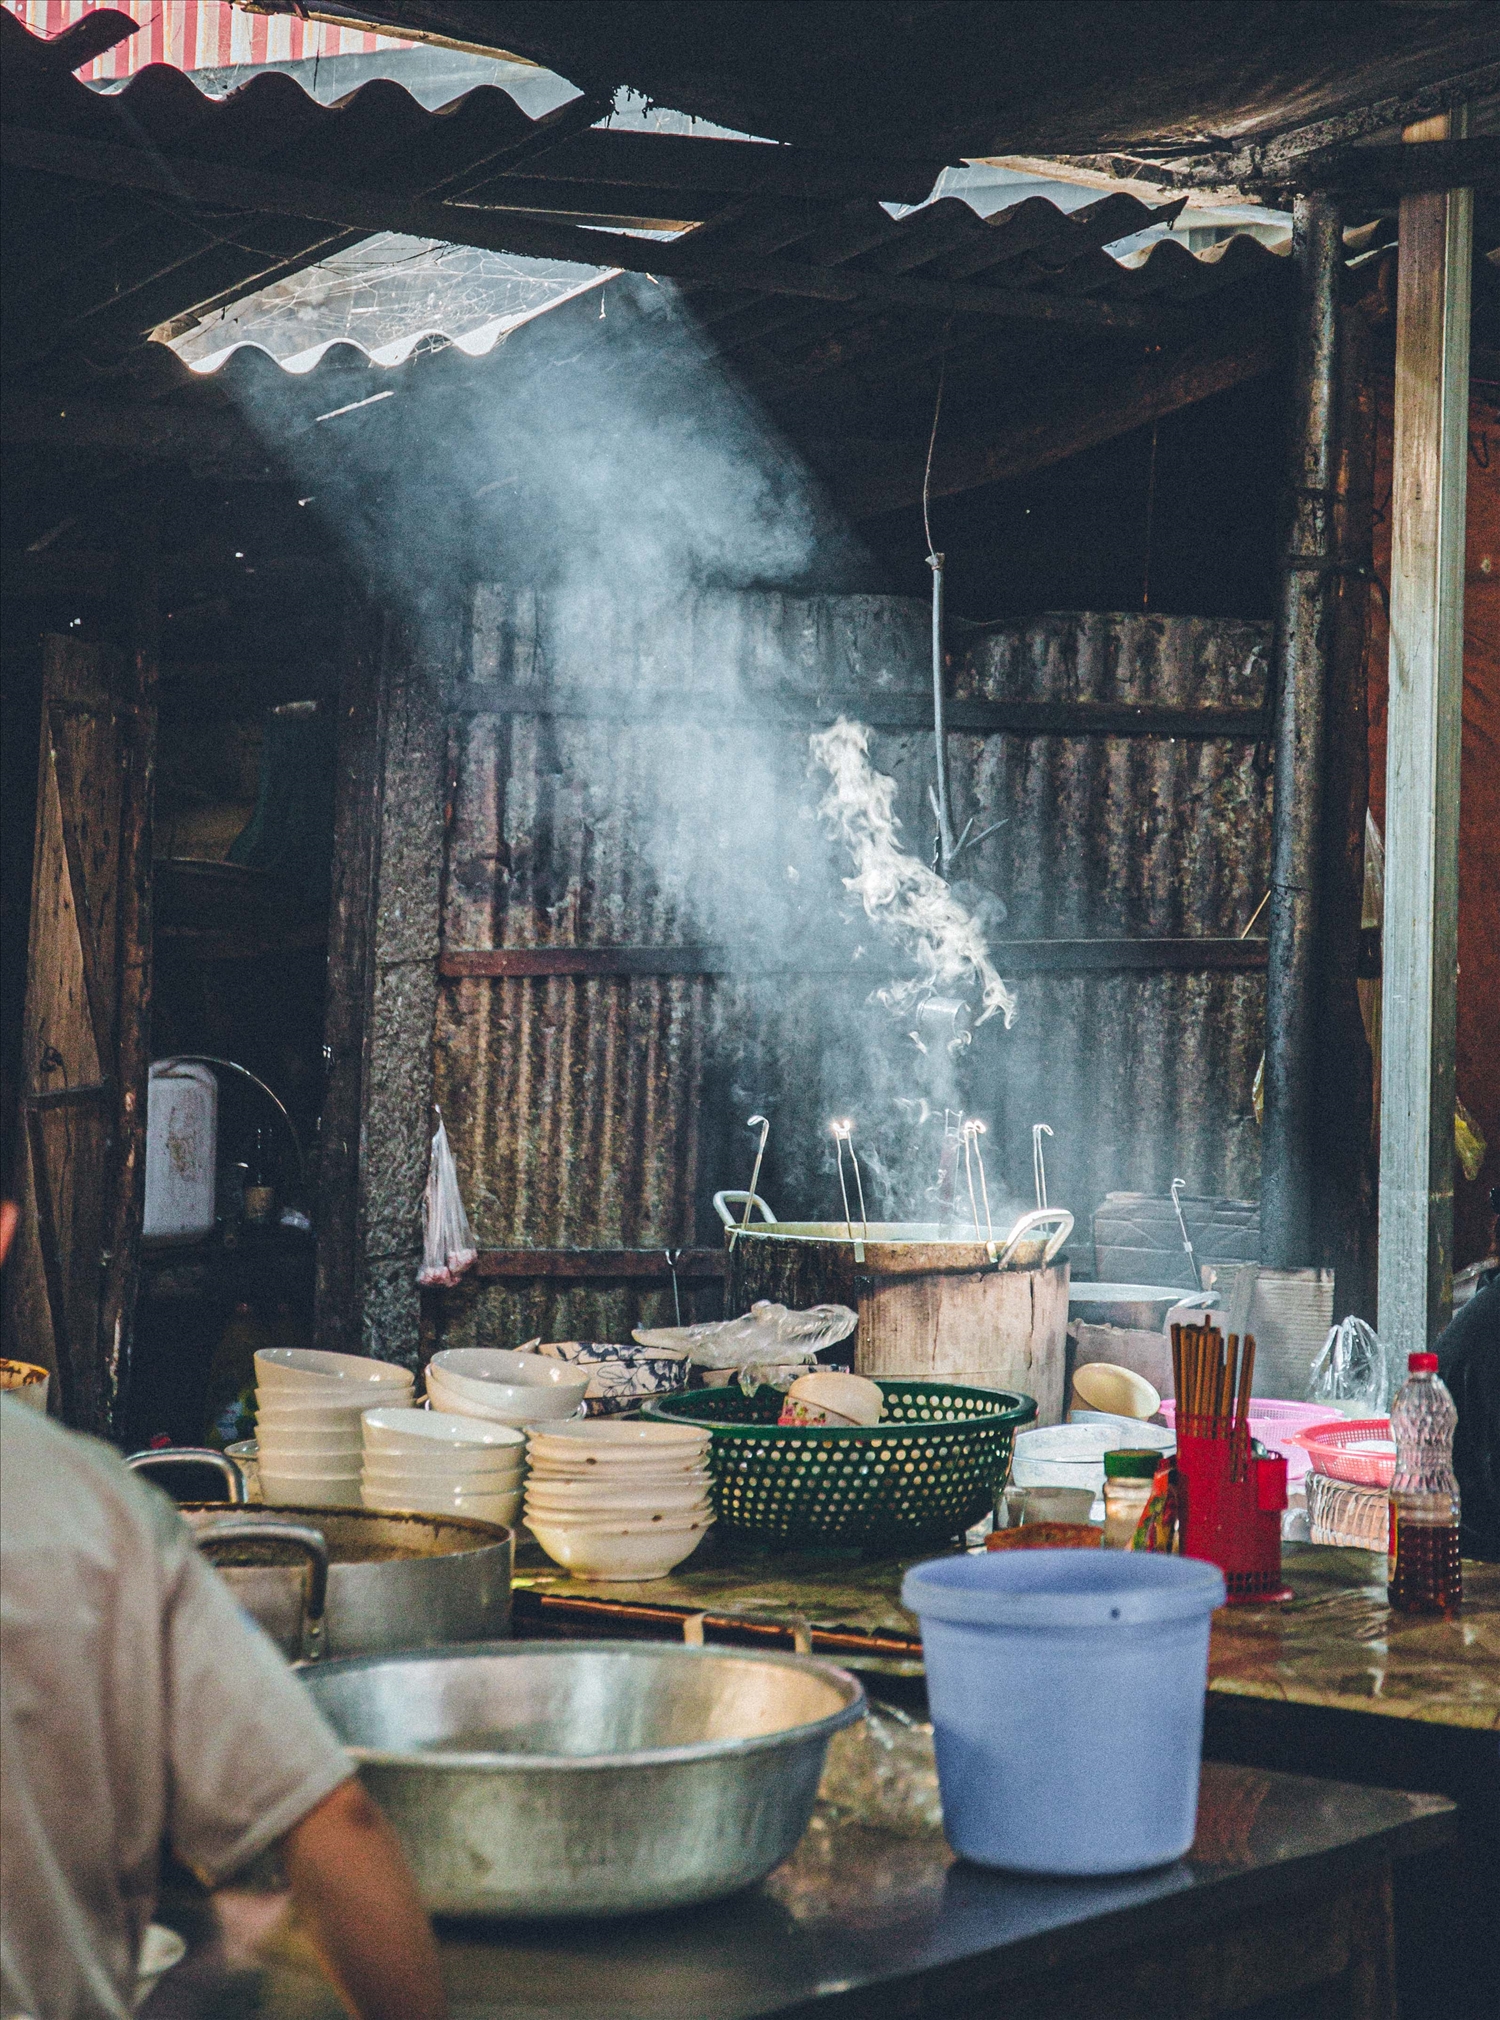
x=198 y=35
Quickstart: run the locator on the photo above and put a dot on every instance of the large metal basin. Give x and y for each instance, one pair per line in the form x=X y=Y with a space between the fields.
x=394 y=1581
x=588 y=1778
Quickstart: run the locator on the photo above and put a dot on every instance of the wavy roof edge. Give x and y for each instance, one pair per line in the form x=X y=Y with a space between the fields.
x=1166 y=268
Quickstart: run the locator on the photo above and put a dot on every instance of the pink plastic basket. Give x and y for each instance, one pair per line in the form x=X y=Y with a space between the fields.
x=1328 y=1446
x=1273 y=1423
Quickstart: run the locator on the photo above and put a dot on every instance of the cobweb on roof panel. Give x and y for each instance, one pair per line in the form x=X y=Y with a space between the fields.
x=387 y=295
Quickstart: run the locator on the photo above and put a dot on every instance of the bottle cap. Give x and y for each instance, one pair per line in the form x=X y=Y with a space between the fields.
x=1131 y=1465
x=1421 y=1364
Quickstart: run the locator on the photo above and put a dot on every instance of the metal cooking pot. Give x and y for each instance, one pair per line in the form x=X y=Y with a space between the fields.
x=588 y=1778
x=357 y=1583
x=393 y=1581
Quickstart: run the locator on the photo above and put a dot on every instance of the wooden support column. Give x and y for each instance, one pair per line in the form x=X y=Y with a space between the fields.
x=1420 y=942
x=382 y=986
x=1343 y=1159
x=1304 y=635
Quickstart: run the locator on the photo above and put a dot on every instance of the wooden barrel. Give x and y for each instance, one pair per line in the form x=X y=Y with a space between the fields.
x=927 y=1306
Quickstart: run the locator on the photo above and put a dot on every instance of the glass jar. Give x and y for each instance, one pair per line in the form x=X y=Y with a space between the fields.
x=1127 y=1489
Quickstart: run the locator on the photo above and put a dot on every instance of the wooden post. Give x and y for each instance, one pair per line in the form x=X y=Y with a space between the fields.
x=1343 y=1158
x=1304 y=636
x=1420 y=941
x=382 y=985
x=338 y=1304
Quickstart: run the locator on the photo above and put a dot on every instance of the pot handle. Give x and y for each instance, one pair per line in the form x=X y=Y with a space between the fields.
x=193 y=1455
x=1056 y=1217
x=299 y=1536
x=722 y=1201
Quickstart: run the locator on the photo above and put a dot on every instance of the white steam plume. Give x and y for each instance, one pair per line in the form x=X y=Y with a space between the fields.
x=895 y=889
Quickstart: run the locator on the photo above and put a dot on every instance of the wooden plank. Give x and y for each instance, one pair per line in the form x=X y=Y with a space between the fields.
x=1013 y=957
x=971 y=716
x=371 y=210
x=1291 y=1229
x=71 y=1275
x=601 y=1265
x=337 y=1299
x=125 y=1207
x=1420 y=938
x=1072 y=412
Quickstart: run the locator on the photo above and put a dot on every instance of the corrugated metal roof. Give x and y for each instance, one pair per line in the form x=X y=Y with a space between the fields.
x=95 y=267
x=199 y=35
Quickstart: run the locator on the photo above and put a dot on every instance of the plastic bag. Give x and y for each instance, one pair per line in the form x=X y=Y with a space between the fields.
x=1351 y=1371
x=768 y=1345
x=447 y=1239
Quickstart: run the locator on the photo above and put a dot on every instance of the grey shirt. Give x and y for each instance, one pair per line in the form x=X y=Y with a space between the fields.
x=137 y=1704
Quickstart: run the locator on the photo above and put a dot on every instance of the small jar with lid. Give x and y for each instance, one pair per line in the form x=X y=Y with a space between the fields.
x=1127 y=1489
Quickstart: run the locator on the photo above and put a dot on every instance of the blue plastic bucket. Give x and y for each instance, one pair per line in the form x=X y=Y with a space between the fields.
x=1066 y=1690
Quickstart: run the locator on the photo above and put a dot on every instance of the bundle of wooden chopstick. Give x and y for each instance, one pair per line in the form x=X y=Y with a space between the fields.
x=1213 y=1380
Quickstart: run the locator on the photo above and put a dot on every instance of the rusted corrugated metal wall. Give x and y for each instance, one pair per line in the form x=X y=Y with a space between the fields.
x=604 y=1111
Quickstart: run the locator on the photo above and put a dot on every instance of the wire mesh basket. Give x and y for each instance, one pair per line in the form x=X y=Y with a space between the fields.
x=925 y=1473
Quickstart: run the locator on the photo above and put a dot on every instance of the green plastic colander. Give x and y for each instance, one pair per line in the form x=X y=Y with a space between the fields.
x=926 y=1472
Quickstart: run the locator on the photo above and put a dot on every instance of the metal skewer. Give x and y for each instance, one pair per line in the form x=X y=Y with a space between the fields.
x=1039 y=1160
x=755 y=1122
x=1179 y=1186
x=843 y=1132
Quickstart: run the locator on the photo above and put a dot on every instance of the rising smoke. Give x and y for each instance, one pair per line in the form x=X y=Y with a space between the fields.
x=622 y=495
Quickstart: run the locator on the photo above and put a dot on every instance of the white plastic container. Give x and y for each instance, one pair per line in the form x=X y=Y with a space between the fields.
x=1066 y=1690
x=182 y=1150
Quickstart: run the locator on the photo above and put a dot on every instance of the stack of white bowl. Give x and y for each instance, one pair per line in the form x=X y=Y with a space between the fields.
x=307 y=1410
x=500 y=1387
x=426 y=1462
x=616 y=1499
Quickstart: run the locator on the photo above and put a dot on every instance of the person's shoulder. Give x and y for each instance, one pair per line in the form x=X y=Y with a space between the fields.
x=44 y=1466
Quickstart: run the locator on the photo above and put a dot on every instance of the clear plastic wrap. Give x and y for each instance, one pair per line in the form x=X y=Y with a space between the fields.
x=768 y=1344
x=1350 y=1372
x=447 y=1239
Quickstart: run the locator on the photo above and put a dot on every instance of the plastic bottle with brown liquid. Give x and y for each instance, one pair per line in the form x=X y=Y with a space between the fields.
x=1425 y=1573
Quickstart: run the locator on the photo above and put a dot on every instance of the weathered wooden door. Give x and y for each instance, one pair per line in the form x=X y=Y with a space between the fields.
x=71 y=1284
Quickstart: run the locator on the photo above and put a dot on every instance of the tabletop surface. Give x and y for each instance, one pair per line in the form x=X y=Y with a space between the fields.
x=1336 y=1643
x=860 y=1906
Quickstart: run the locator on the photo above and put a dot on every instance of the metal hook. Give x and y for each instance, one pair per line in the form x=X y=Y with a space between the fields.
x=674 y=1257
x=1039 y=1161
x=972 y=1133
x=843 y=1132
x=1179 y=1186
x=755 y=1122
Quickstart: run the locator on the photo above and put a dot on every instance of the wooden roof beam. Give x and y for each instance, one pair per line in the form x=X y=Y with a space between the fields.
x=240 y=190
x=1078 y=411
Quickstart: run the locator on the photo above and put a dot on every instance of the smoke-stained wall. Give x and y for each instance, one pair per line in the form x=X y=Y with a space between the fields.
x=626 y=782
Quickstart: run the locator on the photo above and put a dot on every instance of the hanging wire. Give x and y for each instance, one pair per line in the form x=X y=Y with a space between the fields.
x=937 y=408
x=1150 y=516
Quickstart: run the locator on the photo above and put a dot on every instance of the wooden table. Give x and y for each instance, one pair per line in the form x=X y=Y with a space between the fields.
x=1330 y=1683
x=1285 y=1898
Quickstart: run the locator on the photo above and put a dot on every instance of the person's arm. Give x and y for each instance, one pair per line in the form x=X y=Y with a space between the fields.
x=354 y=1893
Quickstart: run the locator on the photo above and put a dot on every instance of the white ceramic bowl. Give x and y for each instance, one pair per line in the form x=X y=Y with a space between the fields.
x=340 y=1406
x=471 y=1480
x=588 y=1498
x=437 y=1432
x=340 y=1431
x=481 y=1369
x=523 y=1415
x=538 y=1401
x=298 y=1490
x=608 y=1440
x=618 y=1481
x=502 y=1508
x=304 y=1370
x=623 y=1553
